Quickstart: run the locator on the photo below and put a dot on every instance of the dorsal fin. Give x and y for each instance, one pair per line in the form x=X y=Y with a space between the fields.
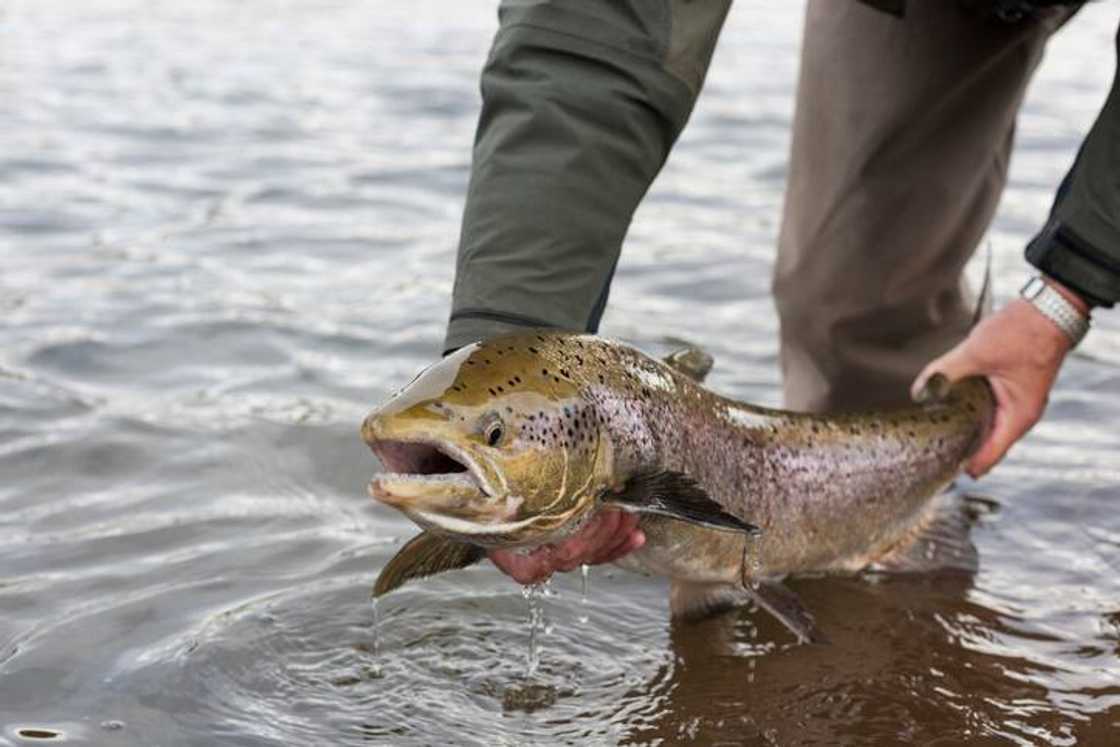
x=690 y=361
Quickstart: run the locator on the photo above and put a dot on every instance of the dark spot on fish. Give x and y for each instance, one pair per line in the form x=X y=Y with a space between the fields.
x=564 y=372
x=501 y=389
x=492 y=392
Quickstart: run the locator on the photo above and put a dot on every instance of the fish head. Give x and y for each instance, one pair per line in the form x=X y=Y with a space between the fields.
x=492 y=444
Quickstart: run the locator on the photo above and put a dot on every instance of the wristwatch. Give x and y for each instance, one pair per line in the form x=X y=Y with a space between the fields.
x=1054 y=306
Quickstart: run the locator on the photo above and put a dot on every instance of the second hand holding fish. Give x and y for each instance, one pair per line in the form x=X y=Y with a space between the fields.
x=1019 y=351
x=608 y=536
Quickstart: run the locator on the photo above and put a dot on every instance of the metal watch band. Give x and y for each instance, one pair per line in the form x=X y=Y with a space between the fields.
x=1054 y=306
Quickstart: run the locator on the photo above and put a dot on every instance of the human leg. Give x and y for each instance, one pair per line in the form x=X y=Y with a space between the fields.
x=901 y=141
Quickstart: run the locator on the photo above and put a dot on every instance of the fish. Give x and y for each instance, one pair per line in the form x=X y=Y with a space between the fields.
x=517 y=441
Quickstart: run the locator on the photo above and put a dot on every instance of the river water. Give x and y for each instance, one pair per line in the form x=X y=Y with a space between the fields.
x=227 y=231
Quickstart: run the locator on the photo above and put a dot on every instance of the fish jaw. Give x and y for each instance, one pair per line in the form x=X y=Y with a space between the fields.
x=428 y=474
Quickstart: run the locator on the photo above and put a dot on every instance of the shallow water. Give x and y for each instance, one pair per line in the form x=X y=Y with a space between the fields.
x=226 y=231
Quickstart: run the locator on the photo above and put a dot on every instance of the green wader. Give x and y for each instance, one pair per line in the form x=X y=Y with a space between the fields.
x=901 y=140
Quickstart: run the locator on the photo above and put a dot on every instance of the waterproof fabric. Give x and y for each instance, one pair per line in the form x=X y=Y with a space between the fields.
x=1007 y=11
x=901 y=141
x=582 y=101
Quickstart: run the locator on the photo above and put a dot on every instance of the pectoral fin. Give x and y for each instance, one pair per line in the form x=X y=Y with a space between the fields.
x=425 y=555
x=677 y=496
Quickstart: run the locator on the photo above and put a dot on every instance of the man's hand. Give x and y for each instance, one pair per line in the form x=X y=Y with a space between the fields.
x=609 y=535
x=1020 y=351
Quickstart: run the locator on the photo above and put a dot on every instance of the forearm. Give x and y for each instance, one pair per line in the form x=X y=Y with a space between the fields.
x=1080 y=245
x=581 y=105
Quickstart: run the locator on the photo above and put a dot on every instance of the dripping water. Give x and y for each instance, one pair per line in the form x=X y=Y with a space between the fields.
x=752 y=562
x=752 y=579
x=584 y=570
x=532 y=694
x=752 y=633
x=533 y=594
x=375 y=644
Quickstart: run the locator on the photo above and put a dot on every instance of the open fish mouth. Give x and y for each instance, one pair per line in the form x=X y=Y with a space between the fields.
x=424 y=474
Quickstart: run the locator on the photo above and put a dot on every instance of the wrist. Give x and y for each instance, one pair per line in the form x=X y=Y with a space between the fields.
x=1062 y=309
x=1070 y=295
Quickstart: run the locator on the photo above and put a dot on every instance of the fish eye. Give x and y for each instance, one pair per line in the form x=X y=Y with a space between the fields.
x=494 y=433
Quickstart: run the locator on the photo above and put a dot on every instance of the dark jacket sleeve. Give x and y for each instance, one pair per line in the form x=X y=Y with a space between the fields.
x=1080 y=244
x=581 y=102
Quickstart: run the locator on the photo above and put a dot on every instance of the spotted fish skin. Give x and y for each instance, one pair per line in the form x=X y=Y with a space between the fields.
x=580 y=415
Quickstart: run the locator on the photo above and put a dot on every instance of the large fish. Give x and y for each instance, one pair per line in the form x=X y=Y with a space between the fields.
x=516 y=441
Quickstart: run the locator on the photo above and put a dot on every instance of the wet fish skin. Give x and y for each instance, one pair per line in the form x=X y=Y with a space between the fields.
x=580 y=416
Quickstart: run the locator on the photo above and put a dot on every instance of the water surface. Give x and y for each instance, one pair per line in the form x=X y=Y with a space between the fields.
x=227 y=231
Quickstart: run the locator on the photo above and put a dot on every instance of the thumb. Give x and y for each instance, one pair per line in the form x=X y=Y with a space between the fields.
x=954 y=366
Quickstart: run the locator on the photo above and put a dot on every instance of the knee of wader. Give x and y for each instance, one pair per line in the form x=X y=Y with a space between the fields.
x=807 y=304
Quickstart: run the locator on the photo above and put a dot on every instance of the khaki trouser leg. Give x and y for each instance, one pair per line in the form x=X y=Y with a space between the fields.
x=901 y=140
